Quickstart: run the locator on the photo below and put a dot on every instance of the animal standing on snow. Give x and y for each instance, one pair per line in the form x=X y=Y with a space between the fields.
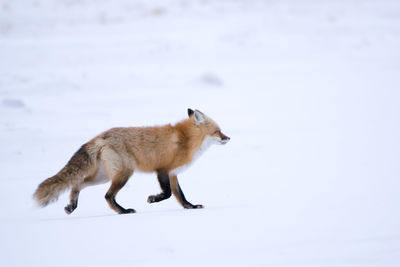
x=115 y=154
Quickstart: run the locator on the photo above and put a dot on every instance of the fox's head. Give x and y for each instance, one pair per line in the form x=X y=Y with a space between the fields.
x=208 y=127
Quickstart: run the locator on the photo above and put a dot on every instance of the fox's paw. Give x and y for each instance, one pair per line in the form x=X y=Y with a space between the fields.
x=152 y=199
x=190 y=206
x=69 y=209
x=127 y=211
x=158 y=198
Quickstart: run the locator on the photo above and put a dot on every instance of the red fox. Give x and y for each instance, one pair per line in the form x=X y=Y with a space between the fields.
x=115 y=154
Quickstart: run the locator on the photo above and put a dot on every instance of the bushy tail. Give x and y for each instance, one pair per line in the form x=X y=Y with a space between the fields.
x=82 y=163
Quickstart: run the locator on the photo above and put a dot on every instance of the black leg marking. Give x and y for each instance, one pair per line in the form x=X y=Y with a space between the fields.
x=163 y=179
x=180 y=196
x=70 y=208
x=186 y=204
x=115 y=206
x=116 y=185
x=73 y=204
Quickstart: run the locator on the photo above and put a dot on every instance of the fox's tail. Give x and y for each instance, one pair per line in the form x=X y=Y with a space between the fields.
x=81 y=165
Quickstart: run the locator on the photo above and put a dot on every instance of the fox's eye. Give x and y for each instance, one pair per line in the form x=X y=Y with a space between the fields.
x=216 y=132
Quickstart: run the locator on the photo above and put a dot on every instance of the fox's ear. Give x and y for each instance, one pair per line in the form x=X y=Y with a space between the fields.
x=190 y=112
x=199 y=117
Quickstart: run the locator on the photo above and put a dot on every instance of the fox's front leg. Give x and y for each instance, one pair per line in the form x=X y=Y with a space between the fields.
x=177 y=191
x=163 y=179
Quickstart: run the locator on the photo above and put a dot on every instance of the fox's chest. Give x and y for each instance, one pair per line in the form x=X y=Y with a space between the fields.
x=207 y=142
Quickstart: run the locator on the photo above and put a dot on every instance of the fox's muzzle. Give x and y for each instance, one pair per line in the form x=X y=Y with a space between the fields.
x=224 y=139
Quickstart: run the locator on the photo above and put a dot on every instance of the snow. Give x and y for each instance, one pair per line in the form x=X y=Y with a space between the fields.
x=307 y=90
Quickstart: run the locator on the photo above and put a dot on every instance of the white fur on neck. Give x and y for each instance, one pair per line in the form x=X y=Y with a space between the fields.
x=207 y=142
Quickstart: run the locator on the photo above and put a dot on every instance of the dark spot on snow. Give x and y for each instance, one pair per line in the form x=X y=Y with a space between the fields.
x=211 y=79
x=158 y=11
x=13 y=103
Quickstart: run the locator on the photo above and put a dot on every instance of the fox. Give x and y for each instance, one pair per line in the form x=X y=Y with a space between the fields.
x=117 y=153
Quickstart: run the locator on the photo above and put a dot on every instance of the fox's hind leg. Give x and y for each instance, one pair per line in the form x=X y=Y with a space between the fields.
x=163 y=179
x=118 y=181
x=118 y=168
x=73 y=203
x=97 y=178
x=177 y=191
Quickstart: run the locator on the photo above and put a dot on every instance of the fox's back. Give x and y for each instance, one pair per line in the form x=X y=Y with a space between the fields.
x=151 y=147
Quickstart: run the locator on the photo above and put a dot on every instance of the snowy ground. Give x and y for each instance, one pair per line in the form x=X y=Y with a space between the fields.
x=308 y=91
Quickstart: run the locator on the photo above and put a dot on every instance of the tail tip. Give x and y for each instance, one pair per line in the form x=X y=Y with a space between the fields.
x=40 y=200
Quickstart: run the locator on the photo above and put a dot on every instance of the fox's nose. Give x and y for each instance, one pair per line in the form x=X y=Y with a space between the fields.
x=225 y=139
